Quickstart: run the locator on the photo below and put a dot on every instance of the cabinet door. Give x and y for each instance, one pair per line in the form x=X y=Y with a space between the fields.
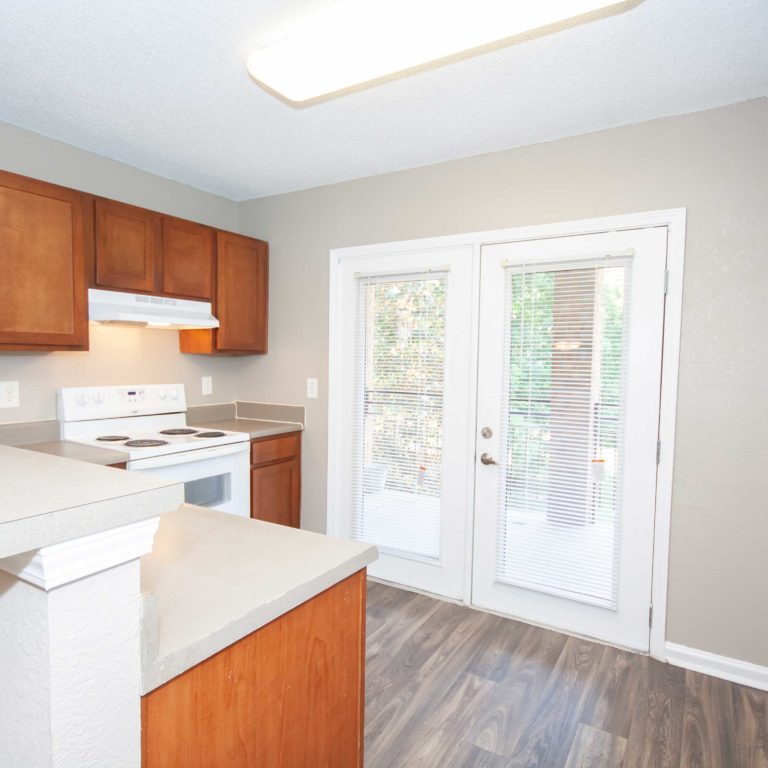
x=43 y=301
x=275 y=490
x=128 y=246
x=187 y=259
x=241 y=293
x=265 y=450
x=289 y=695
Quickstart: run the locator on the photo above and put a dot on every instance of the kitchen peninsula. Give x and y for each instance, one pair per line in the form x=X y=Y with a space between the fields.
x=267 y=620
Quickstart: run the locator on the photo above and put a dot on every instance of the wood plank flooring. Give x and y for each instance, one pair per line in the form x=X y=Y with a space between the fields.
x=451 y=687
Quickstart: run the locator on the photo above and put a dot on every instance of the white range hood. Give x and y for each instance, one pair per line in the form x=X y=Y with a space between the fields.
x=116 y=308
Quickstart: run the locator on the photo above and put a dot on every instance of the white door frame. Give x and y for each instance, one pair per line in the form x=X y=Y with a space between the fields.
x=674 y=220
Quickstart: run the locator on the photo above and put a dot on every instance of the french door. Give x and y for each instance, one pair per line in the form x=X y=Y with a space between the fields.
x=405 y=414
x=496 y=420
x=568 y=407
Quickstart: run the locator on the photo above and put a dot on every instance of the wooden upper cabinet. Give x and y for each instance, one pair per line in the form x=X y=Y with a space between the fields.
x=187 y=259
x=56 y=242
x=43 y=293
x=240 y=300
x=128 y=247
x=241 y=295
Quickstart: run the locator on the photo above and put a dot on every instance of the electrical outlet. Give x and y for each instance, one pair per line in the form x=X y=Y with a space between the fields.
x=9 y=394
x=312 y=388
x=207 y=385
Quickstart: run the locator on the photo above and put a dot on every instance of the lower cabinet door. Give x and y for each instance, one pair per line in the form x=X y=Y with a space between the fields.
x=289 y=695
x=275 y=492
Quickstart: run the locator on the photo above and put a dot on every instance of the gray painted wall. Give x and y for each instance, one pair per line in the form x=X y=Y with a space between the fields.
x=714 y=163
x=43 y=158
x=118 y=355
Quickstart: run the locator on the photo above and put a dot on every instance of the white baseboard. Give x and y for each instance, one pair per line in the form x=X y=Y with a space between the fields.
x=736 y=671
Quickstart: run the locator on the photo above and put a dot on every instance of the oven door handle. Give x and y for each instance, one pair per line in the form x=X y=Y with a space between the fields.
x=188 y=457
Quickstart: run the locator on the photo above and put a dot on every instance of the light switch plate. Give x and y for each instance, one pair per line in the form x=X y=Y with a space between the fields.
x=207 y=385
x=9 y=394
x=312 y=388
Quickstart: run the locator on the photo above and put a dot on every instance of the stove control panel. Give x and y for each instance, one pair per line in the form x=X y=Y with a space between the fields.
x=86 y=403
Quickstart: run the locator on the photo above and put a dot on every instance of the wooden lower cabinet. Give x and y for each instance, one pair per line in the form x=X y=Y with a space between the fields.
x=290 y=695
x=276 y=479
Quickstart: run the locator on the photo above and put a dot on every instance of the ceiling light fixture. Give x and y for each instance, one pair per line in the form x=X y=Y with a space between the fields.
x=359 y=41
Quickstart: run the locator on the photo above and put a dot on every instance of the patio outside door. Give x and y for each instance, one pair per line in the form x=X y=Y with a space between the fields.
x=569 y=373
x=406 y=414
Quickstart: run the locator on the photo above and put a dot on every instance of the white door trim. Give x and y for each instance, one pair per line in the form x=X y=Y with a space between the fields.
x=674 y=220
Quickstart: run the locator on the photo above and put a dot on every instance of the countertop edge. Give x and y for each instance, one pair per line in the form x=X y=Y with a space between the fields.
x=57 y=526
x=265 y=427
x=157 y=672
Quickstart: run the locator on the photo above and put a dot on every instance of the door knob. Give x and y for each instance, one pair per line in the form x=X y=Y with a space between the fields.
x=487 y=459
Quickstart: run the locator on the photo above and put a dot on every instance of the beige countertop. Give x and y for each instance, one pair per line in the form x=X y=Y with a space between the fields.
x=48 y=499
x=78 y=451
x=254 y=427
x=213 y=578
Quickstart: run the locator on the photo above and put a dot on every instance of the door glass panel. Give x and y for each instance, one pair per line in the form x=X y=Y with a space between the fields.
x=566 y=331
x=397 y=478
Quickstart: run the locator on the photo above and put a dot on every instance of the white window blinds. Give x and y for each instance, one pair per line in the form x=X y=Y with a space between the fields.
x=400 y=359
x=564 y=374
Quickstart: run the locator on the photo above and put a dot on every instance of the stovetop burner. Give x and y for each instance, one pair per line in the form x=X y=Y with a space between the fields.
x=112 y=438
x=180 y=431
x=145 y=443
x=210 y=434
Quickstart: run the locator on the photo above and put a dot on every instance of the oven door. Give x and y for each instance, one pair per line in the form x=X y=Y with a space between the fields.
x=213 y=477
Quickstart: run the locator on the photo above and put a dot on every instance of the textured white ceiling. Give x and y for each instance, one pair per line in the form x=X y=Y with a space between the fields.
x=161 y=85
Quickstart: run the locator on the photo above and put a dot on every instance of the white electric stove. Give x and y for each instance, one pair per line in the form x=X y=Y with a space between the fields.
x=148 y=423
